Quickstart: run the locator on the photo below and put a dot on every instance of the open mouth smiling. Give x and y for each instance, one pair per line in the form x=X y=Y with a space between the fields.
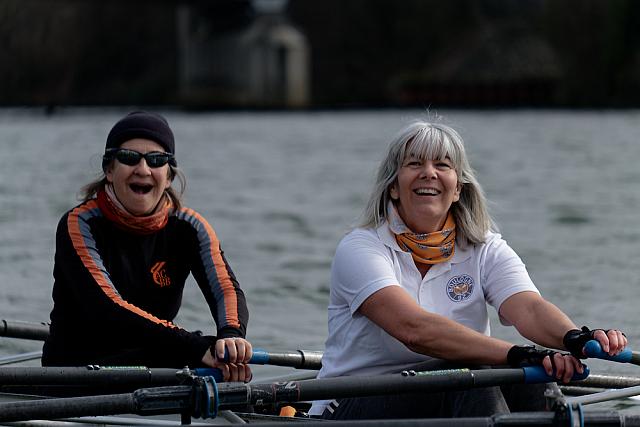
x=426 y=191
x=141 y=188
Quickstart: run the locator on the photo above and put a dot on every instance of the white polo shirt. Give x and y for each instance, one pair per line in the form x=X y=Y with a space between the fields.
x=368 y=260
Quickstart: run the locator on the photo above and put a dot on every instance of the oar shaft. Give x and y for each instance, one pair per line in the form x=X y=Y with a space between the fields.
x=609 y=381
x=427 y=382
x=299 y=359
x=140 y=377
x=231 y=394
x=98 y=376
x=145 y=401
x=7 y=360
x=24 y=330
x=604 y=396
x=65 y=408
x=203 y=397
x=539 y=419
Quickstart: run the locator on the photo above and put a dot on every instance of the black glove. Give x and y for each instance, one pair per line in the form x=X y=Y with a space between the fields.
x=527 y=355
x=575 y=339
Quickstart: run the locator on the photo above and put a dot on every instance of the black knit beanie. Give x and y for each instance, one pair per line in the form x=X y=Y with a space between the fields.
x=141 y=124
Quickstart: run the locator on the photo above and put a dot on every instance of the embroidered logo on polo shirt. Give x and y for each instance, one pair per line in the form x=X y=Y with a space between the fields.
x=460 y=288
x=160 y=274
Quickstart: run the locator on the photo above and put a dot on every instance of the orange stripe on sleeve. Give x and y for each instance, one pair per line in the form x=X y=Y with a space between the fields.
x=93 y=263
x=224 y=280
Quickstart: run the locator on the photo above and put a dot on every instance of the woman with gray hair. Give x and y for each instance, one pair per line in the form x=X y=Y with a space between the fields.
x=411 y=286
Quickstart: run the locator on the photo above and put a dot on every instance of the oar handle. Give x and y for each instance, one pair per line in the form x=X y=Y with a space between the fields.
x=537 y=375
x=299 y=359
x=594 y=349
x=259 y=357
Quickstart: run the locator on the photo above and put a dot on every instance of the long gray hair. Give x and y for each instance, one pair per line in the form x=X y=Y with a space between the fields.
x=432 y=141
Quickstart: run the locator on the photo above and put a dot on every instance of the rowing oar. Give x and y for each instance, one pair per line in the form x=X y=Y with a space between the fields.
x=151 y=377
x=300 y=359
x=609 y=381
x=25 y=330
x=23 y=357
x=90 y=380
x=593 y=349
x=97 y=375
x=599 y=383
x=205 y=397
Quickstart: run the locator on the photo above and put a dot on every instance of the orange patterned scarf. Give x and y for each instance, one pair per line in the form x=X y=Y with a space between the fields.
x=114 y=211
x=425 y=248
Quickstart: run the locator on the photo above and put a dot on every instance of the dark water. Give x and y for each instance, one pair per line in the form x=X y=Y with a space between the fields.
x=280 y=189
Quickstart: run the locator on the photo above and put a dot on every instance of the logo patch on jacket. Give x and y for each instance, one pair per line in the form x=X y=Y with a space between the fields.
x=160 y=274
x=460 y=288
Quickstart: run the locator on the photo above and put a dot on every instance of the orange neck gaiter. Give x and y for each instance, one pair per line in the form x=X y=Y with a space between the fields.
x=425 y=248
x=115 y=212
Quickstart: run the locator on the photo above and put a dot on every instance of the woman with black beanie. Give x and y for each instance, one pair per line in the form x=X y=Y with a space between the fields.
x=122 y=258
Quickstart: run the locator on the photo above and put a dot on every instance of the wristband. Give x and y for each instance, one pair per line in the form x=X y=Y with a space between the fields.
x=527 y=355
x=575 y=339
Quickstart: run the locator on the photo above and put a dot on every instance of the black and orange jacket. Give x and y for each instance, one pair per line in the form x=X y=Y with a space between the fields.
x=116 y=293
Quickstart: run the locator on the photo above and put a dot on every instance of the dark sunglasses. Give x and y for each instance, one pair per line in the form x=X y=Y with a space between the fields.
x=154 y=159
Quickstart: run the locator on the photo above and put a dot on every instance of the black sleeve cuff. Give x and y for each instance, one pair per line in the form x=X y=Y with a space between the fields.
x=229 y=332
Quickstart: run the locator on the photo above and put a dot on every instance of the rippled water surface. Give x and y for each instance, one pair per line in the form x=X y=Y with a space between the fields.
x=281 y=189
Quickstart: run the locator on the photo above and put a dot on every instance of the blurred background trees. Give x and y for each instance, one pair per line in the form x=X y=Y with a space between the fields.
x=361 y=53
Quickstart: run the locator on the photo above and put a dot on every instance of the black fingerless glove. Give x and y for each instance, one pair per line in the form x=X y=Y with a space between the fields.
x=575 y=339
x=527 y=355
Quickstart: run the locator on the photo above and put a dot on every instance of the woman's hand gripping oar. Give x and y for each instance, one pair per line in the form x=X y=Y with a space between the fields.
x=611 y=341
x=299 y=359
x=594 y=349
